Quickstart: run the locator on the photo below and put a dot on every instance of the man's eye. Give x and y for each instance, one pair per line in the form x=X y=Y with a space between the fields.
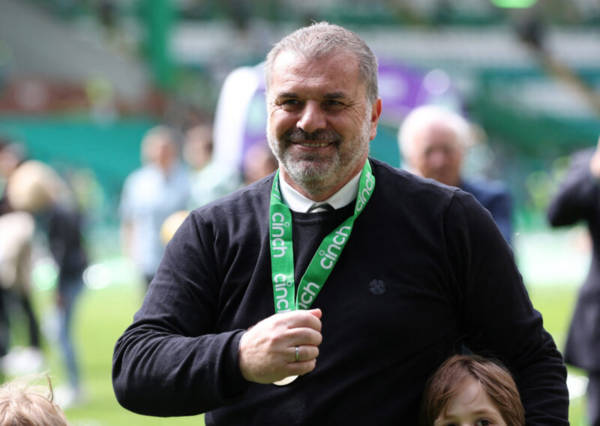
x=289 y=103
x=482 y=422
x=332 y=104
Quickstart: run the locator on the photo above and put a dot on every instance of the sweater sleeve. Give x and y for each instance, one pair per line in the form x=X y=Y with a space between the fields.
x=173 y=360
x=577 y=194
x=496 y=314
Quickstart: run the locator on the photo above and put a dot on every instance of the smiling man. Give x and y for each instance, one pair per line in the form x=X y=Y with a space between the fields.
x=328 y=292
x=320 y=119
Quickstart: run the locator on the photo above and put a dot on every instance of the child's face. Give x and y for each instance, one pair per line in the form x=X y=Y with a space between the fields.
x=471 y=406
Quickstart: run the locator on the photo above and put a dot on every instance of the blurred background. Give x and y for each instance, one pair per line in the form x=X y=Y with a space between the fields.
x=81 y=81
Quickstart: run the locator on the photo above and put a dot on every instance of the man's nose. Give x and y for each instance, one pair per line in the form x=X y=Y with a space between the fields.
x=312 y=118
x=438 y=159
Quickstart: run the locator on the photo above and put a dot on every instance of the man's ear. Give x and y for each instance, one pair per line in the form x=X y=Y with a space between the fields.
x=375 y=114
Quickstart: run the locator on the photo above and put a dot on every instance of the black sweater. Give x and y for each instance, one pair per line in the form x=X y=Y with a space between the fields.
x=424 y=271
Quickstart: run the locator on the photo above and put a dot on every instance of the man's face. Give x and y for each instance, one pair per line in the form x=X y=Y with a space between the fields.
x=319 y=121
x=437 y=154
x=162 y=153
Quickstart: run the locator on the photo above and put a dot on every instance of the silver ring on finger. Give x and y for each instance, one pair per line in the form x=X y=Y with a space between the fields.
x=297 y=354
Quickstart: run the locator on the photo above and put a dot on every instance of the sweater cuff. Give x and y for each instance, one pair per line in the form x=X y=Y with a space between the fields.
x=234 y=383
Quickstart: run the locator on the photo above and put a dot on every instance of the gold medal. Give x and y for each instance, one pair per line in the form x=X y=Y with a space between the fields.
x=285 y=381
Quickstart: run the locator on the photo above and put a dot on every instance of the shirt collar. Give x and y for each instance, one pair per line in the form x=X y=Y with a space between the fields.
x=299 y=203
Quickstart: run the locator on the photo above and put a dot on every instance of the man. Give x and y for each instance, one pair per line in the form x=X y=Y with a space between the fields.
x=150 y=195
x=432 y=141
x=578 y=200
x=404 y=271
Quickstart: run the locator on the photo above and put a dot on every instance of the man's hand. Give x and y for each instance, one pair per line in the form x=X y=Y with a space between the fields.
x=267 y=350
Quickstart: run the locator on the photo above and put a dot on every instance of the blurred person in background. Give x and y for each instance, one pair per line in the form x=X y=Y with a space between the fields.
x=209 y=180
x=36 y=188
x=393 y=272
x=17 y=231
x=433 y=141
x=259 y=162
x=12 y=154
x=150 y=194
x=578 y=201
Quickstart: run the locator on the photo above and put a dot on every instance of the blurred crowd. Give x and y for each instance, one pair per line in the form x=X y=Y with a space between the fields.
x=42 y=216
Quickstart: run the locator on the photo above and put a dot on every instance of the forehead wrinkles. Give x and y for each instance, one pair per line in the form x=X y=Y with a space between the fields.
x=327 y=74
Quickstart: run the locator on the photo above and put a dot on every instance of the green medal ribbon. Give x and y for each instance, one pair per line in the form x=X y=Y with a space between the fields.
x=323 y=261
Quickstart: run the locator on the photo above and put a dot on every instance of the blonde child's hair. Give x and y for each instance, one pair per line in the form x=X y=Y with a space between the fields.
x=25 y=402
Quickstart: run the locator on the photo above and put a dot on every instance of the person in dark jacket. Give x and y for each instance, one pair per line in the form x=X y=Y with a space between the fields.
x=578 y=201
x=328 y=292
x=36 y=188
x=433 y=141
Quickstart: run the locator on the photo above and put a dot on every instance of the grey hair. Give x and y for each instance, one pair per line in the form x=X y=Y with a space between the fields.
x=323 y=38
x=427 y=115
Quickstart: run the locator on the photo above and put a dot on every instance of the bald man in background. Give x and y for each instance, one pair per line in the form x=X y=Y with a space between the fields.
x=433 y=142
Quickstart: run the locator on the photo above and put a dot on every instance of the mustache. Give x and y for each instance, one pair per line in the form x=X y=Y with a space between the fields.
x=323 y=135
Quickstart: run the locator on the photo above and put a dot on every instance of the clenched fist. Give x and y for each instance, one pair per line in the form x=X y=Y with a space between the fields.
x=267 y=351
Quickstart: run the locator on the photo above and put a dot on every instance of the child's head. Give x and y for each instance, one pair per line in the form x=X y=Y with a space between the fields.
x=469 y=389
x=24 y=404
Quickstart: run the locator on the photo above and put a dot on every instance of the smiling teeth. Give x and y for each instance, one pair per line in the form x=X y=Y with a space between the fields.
x=315 y=145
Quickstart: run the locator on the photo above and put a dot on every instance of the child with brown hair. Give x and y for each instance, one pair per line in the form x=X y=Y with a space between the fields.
x=24 y=403
x=474 y=391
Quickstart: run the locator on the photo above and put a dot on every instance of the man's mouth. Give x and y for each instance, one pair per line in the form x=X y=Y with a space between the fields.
x=318 y=139
x=311 y=144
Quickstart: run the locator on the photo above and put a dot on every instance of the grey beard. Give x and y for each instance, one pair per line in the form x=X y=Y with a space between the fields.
x=315 y=179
